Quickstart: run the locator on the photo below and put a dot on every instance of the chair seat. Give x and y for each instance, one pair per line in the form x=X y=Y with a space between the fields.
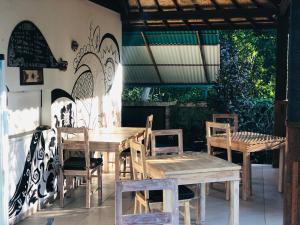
x=78 y=163
x=183 y=193
x=125 y=153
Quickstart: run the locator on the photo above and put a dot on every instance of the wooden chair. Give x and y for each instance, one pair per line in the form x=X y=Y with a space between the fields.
x=125 y=155
x=211 y=127
x=171 y=217
x=171 y=133
x=185 y=193
x=78 y=166
x=232 y=119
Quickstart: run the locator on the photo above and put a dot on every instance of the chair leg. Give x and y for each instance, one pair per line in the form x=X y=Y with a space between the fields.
x=124 y=166
x=187 y=214
x=61 y=189
x=88 y=192
x=135 y=205
x=131 y=169
x=99 y=173
x=227 y=188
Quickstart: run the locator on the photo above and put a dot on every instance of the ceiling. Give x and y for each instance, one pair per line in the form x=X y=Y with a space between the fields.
x=154 y=15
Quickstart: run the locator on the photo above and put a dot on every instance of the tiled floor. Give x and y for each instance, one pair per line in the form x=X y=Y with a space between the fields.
x=263 y=208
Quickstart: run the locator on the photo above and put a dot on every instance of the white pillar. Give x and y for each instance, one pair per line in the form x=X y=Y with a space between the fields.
x=3 y=149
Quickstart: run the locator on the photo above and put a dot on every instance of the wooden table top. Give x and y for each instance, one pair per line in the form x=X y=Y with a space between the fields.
x=248 y=141
x=109 y=135
x=188 y=163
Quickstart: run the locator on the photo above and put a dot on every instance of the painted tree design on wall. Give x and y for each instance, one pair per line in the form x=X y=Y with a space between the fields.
x=95 y=65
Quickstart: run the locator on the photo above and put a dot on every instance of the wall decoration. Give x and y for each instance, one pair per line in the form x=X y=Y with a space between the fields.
x=95 y=67
x=31 y=76
x=28 y=48
x=38 y=181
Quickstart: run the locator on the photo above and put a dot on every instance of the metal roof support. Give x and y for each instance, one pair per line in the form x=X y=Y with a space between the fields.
x=151 y=56
x=203 y=57
x=159 y=9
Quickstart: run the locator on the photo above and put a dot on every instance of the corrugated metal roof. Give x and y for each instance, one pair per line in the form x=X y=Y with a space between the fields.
x=177 y=56
x=140 y=74
x=136 y=55
x=209 y=37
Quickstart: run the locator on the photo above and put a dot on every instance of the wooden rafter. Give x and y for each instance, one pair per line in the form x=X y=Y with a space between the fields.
x=218 y=7
x=247 y=17
x=151 y=56
x=200 y=10
x=178 y=8
x=205 y=14
x=141 y=11
x=159 y=9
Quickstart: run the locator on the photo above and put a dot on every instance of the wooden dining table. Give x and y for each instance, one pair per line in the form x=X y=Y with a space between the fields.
x=106 y=140
x=200 y=169
x=249 y=142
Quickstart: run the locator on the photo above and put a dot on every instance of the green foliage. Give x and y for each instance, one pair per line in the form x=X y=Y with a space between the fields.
x=246 y=81
x=166 y=94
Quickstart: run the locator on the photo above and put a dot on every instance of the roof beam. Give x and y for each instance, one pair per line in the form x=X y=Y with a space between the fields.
x=151 y=56
x=284 y=5
x=247 y=17
x=202 y=54
x=219 y=26
x=205 y=14
x=159 y=9
x=200 y=10
x=218 y=7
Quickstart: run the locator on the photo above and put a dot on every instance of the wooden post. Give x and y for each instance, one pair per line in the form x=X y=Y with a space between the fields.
x=291 y=188
x=281 y=81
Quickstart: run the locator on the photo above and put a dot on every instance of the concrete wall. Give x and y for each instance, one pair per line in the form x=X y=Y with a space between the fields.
x=88 y=93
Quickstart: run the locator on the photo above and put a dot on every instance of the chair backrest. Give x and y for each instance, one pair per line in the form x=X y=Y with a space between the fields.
x=82 y=144
x=166 y=149
x=223 y=127
x=138 y=159
x=170 y=217
x=232 y=119
x=148 y=132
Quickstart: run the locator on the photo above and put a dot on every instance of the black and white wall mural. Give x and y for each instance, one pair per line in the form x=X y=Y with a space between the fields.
x=38 y=181
x=95 y=99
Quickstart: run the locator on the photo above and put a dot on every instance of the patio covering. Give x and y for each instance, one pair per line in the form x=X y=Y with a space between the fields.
x=171 y=57
x=196 y=14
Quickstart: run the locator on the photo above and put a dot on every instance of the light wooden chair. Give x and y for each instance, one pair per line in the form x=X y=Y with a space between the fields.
x=171 y=217
x=232 y=119
x=185 y=193
x=211 y=128
x=125 y=155
x=171 y=133
x=78 y=166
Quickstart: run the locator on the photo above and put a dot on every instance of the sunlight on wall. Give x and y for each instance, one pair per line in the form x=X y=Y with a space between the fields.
x=111 y=102
x=23 y=120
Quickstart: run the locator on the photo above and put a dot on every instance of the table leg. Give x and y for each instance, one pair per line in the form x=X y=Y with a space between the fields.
x=117 y=164
x=200 y=203
x=245 y=176
x=234 y=202
x=105 y=162
x=281 y=168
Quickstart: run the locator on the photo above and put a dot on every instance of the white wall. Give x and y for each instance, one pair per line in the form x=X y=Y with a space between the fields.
x=60 y=22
